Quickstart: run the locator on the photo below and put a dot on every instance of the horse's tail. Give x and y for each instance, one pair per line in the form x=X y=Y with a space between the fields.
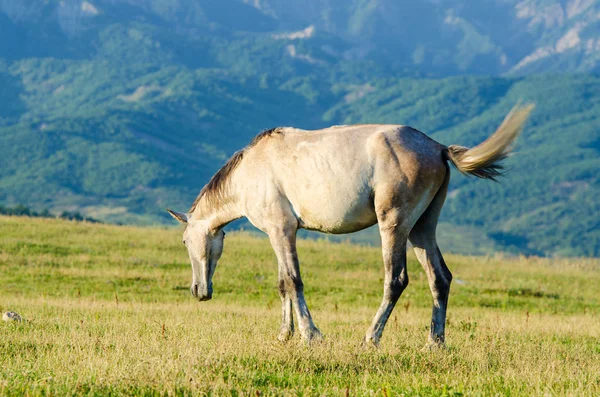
x=483 y=161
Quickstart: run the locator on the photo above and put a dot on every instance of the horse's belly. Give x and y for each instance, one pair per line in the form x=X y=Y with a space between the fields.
x=336 y=215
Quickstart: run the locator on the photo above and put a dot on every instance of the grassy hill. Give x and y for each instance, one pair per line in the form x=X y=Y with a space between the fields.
x=108 y=311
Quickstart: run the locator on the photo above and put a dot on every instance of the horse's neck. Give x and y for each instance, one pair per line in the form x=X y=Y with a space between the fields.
x=220 y=213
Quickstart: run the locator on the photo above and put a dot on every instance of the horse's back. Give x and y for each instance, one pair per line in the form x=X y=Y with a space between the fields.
x=377 y=152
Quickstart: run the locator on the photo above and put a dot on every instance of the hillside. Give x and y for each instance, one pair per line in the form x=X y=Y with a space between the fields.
x=547 y=203
x=118 y=109
x=108 y=311
x=126 y=160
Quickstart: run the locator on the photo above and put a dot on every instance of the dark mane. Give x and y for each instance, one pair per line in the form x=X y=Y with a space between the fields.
x=214 y=188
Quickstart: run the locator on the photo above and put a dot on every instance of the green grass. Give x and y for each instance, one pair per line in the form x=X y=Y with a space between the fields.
x=108 y=312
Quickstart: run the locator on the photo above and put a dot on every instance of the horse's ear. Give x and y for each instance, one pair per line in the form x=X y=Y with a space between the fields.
x=180 y=216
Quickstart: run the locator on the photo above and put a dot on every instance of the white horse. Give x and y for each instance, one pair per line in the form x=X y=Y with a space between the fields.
x=340 y=180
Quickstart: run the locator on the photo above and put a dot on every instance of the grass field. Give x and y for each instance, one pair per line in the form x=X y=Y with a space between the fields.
x=108 y=312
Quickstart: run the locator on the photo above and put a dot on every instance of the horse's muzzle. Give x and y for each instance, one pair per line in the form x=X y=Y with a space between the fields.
x=201 y=293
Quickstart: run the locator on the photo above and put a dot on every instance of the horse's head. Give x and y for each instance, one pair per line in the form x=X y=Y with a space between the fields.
x=205 y=247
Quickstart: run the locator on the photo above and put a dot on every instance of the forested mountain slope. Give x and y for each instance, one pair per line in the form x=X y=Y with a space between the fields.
x=118 y=109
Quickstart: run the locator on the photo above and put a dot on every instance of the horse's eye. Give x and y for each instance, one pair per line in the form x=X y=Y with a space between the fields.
x=183 y=242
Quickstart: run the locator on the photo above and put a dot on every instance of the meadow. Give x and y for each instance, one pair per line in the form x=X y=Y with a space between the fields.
x=108 y=311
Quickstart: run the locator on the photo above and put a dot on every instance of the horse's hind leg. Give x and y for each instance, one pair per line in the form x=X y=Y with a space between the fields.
x=393 y=246
x=422 y=237
x=439 y=277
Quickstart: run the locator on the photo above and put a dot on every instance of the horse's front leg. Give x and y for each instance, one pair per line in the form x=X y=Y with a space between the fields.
x=393 y=245
x=291 y=286
x=287 y=317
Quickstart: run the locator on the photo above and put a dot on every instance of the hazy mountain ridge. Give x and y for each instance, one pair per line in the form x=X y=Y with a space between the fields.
x=429 y=36
x=458 y=36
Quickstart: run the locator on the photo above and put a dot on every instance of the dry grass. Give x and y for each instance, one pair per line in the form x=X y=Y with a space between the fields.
x=109 y=313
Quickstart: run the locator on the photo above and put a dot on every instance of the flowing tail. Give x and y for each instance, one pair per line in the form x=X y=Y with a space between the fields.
x=483 y=161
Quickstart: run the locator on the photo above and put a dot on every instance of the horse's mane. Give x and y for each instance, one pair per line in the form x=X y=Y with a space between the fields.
x=214 y=189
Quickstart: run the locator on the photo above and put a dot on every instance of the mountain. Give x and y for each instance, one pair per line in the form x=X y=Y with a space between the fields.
x=433 y=37
x=458 y=36
x=118 y=109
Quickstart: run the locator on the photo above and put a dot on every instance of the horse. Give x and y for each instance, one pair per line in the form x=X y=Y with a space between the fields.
x=341 y=179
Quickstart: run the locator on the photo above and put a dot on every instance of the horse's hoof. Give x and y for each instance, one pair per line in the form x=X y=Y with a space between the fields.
x=433 y=346
x=370 y=343
x=284 y=336
x=312 y=336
